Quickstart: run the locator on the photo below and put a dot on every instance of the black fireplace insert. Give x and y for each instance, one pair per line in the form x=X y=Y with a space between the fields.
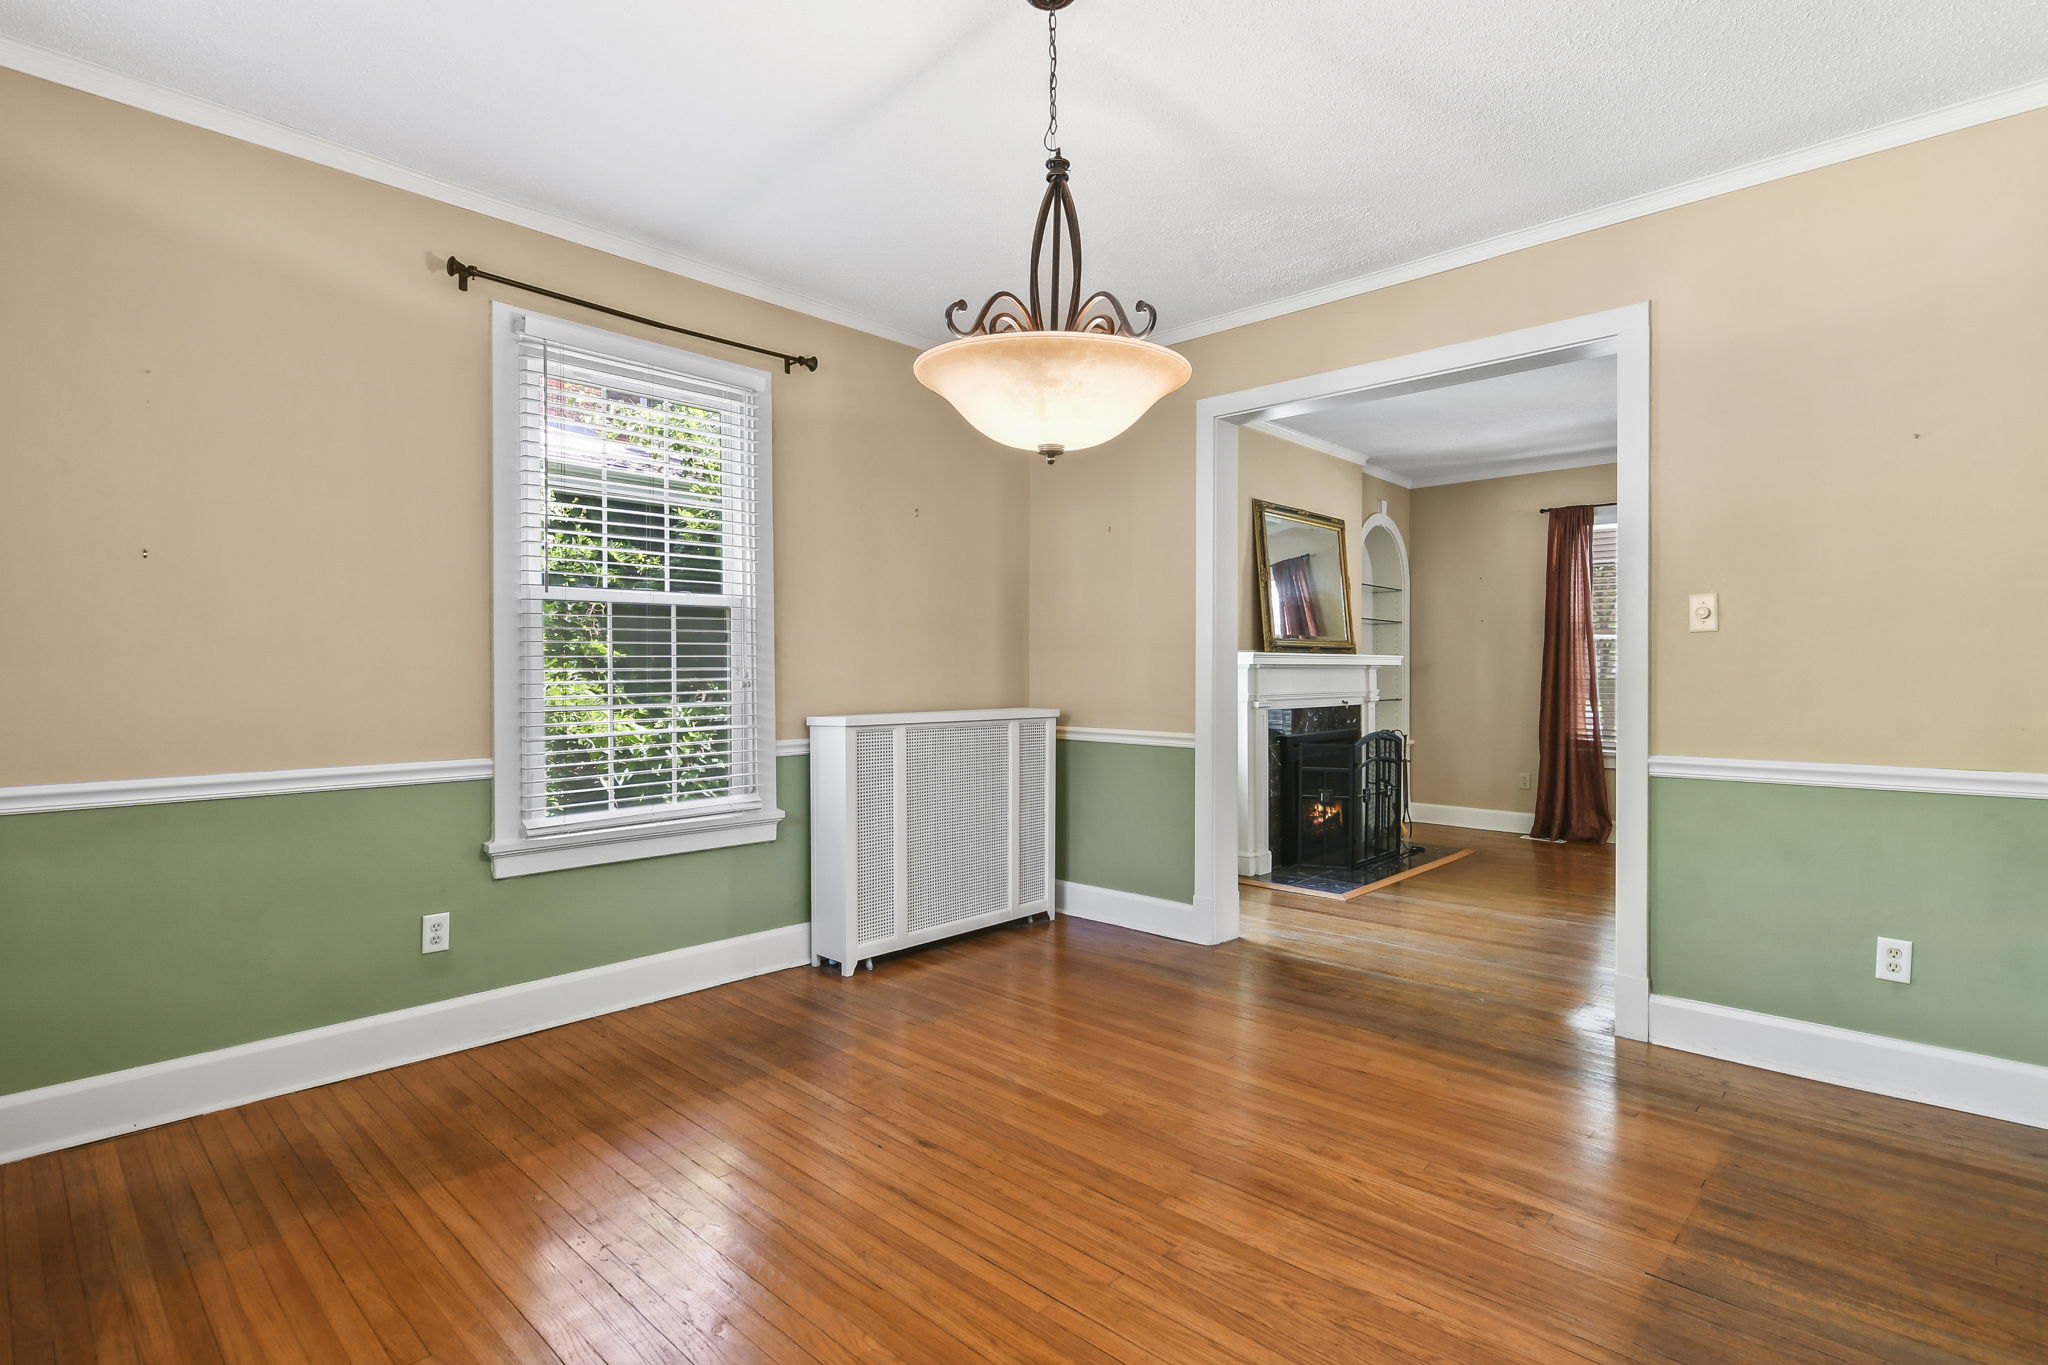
x=1340 y=799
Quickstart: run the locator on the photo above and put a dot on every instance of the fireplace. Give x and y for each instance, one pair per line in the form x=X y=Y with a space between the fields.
x=1338 y=798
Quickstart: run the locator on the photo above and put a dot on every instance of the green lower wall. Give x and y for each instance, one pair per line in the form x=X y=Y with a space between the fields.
x=1771 y=898
x=1127 y=818
x=140 y=933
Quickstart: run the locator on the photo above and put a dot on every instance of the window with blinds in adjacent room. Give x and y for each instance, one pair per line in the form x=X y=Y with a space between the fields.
x=1606 y=636
x=633 y=692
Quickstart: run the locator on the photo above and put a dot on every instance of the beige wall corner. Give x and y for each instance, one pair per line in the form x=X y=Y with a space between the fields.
x=252 y=367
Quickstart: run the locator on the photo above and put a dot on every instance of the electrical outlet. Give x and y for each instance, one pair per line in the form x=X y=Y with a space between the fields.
x=1522 y=781
x=434 y=933
x=1894 y=959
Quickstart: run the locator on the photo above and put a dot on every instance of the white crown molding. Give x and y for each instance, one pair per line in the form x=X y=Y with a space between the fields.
x=149 y=791
x=1967 y=1081
x=1342 y=452
x=1944 y=781
x=202 y=113
x=1472 y=471
x=1514 y=465
x=96 y=1107
x=1156 y=739
x=137 y=93
x=2020 y=99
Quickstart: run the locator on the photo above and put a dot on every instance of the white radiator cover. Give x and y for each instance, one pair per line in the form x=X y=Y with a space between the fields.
x=926 y=824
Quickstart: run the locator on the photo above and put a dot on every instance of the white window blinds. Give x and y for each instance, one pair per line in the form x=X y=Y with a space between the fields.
x=1606 y=652
x=638 y=590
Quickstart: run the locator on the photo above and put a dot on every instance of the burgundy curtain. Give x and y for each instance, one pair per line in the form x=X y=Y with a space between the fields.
x=1571 y=784
x=1295 y=600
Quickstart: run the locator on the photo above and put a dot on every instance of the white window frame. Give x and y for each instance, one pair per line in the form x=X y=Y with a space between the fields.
x=513 y=851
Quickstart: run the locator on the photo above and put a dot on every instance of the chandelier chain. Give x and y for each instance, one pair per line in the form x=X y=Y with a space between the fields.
x=1052 y=83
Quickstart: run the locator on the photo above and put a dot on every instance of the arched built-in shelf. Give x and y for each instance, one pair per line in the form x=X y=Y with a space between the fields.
x=1386 y=615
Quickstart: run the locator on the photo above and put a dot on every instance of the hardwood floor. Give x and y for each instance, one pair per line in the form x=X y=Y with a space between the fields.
x=1394 y=1129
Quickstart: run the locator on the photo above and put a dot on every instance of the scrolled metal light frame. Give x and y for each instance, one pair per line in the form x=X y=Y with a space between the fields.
x=1100 y=313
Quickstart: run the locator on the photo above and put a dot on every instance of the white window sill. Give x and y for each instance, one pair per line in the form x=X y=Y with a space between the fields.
x=587 y=848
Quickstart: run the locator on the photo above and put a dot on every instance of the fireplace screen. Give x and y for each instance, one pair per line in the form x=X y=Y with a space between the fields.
x=1340 y=799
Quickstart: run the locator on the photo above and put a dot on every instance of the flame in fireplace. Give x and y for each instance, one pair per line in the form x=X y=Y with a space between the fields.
x=1323 y=814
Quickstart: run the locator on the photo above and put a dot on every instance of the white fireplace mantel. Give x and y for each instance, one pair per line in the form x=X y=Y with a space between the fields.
x=1272 y=682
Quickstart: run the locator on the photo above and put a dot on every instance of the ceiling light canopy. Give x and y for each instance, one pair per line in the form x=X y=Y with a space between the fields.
x=1055 y=371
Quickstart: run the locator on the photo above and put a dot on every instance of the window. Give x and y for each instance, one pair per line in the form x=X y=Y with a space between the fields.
x=1606 y=650
x=633 y=696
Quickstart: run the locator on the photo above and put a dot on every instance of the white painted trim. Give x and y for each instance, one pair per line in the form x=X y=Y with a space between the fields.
x=149 y=791
x=1967 y=1081
x=1472 y=817
x=931 y=717
x=1158 y=739
x=142 y=1097
x=202 y=113
x=1623 y=333
x=513 y=849
x=152 y=791
x=1128 y=910
x=1985 y=109
x=1946 y=781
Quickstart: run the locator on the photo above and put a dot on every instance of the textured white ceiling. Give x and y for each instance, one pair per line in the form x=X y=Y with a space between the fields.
x=884 y=156
x=1555 y=417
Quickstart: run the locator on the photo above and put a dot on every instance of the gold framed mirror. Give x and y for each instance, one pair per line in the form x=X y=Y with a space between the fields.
x=1303 y=579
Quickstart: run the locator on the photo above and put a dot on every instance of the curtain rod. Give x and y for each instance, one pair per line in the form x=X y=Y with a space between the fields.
x=1541 y=510
x=465 y=273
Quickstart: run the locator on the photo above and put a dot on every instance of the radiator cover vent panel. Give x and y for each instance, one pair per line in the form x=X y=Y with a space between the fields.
x=925 y=825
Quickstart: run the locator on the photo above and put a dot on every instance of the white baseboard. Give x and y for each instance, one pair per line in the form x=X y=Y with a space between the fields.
x=1128 y=910
x=1632 y=1007
x=1472 y=817
x=1968 y=1081
x=66 y=1115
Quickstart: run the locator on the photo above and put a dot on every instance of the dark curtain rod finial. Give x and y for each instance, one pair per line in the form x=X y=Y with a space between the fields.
x=463 y=274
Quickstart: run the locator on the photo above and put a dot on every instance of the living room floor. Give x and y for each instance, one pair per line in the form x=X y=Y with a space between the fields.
x=1394 y=1129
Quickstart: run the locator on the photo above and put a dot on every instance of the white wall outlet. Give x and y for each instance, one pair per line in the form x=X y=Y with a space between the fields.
x=1522 y=781
x=1703 y=611
x=434 y=933
x=1894 y=959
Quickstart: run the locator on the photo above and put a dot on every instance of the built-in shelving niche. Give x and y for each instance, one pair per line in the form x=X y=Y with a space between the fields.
x=1384 y=614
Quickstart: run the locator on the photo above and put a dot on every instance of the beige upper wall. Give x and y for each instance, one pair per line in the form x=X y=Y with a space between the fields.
x=1843 y=360
x=253 y=368
x=1477 y=557
x=1274 y=469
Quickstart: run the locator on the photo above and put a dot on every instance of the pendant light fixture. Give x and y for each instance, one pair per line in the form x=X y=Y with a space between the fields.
x=1052 y=372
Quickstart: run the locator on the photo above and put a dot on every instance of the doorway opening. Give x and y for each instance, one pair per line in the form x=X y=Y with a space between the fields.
x=1294 y=738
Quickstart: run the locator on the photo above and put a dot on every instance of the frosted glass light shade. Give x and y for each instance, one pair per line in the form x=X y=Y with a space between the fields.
x=1051 y=390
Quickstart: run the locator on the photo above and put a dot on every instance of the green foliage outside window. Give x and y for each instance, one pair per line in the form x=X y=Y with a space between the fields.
x=638 y=694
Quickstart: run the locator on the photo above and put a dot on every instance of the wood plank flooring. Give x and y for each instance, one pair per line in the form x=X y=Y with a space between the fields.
x=1395 y=1129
